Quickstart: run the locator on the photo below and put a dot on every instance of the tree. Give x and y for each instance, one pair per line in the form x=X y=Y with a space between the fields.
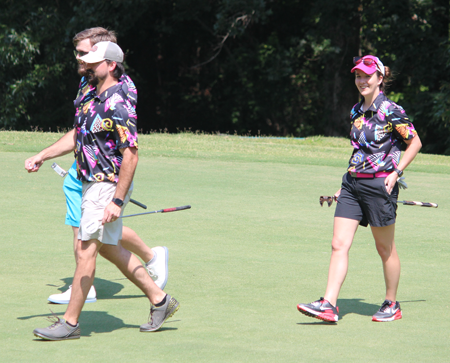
x=274 y=67
x=33 y=66
x=412 y=37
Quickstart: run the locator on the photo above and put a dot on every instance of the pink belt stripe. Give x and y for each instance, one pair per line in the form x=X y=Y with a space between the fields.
x=381 y=174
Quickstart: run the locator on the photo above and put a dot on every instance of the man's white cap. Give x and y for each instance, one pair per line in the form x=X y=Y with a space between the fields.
x=103 y=50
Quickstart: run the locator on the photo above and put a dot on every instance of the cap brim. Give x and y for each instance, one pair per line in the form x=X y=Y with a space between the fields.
x=91 y=57
x=366 y=69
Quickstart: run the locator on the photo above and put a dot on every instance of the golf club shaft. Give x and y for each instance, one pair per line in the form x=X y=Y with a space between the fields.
x=160 y=211
x=61 y=172
x=420 y=204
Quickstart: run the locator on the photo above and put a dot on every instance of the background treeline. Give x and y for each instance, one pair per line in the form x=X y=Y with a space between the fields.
x=269 y=67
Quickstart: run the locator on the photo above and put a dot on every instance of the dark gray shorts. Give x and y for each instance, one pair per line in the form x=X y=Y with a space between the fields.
x=367 y=201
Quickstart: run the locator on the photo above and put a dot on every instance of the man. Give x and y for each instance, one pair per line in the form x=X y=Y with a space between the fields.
x=105 y=142
x=156 y=258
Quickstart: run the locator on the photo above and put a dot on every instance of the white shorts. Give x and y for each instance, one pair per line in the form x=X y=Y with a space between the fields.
x=96 y=196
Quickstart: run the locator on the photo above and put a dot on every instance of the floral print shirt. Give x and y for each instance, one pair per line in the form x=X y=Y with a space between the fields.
x=104 y=124
x=376 y=136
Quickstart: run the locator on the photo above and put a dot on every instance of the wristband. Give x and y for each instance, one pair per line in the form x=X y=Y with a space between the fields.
x=118 y=202
x=399 y=172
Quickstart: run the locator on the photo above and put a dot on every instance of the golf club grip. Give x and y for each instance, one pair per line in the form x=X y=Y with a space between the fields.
x=60 y=171
x=138 y=204
x=421 y=204
x=175 y=209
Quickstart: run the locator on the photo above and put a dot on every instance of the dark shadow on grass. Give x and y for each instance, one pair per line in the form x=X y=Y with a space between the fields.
x=164 y=328
x=90 y=322
x=318 y=322
x=356 y=306
x=349 y=306
x=106 y=289
x=94 y=322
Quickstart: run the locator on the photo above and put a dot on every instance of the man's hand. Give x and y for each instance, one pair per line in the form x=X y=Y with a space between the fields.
x=129 y=161
x=33 y=164
x=63 y=146
x=112 y=212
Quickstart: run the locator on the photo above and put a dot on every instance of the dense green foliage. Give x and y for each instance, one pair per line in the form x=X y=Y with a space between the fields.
x=238 y=66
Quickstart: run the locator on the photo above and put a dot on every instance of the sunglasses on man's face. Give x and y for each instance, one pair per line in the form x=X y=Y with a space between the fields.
x=366 y=61
x=79 y=53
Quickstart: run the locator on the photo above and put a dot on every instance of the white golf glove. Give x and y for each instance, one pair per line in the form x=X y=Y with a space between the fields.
x=401 y=183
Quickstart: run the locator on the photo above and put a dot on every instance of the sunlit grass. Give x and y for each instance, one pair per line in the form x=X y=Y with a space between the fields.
x=254 y=244
x=316 y=150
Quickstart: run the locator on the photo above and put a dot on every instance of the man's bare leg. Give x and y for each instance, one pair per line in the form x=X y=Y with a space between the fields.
x=155 y=259
x=133 y=243
x=130 y=266
x=86 y=254
x=75 y=241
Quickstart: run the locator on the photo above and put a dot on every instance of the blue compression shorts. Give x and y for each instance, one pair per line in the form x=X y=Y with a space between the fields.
x=73 y=190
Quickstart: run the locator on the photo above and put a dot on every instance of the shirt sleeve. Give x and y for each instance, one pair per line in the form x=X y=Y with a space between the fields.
x=126 y=125
x=129 y=89
x=400 y=123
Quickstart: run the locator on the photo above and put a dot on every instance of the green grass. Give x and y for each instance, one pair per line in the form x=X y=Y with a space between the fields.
x=254 y=245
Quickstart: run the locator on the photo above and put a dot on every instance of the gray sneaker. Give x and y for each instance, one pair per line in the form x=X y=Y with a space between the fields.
x=59 y=330
x=159 y=315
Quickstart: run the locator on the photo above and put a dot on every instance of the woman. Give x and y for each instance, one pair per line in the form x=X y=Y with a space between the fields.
x=369 y=190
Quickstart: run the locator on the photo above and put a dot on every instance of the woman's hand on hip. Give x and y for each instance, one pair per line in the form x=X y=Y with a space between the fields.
x=390 y=181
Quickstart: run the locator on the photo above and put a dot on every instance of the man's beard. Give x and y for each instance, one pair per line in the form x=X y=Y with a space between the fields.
x=91 y=77
x=82 y=71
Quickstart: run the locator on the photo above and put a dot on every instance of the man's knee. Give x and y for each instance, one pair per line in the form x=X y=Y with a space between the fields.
x=110 y=251
x=87 y=250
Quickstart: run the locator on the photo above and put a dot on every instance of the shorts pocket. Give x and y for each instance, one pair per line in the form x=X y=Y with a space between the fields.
x=383 y=187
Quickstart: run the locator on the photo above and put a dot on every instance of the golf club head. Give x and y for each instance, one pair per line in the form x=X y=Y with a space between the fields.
x=328 y=199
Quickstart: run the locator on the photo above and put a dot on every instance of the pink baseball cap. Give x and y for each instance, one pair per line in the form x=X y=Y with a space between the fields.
x=369 y=64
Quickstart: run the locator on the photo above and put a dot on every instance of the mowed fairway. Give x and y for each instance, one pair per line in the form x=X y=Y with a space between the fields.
x=255 y=244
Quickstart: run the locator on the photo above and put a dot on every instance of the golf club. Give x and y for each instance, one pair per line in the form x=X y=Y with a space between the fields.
x=160 y=211
x=420 y=204
x=143 y=206
x=62 y=173
x=329 y=200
